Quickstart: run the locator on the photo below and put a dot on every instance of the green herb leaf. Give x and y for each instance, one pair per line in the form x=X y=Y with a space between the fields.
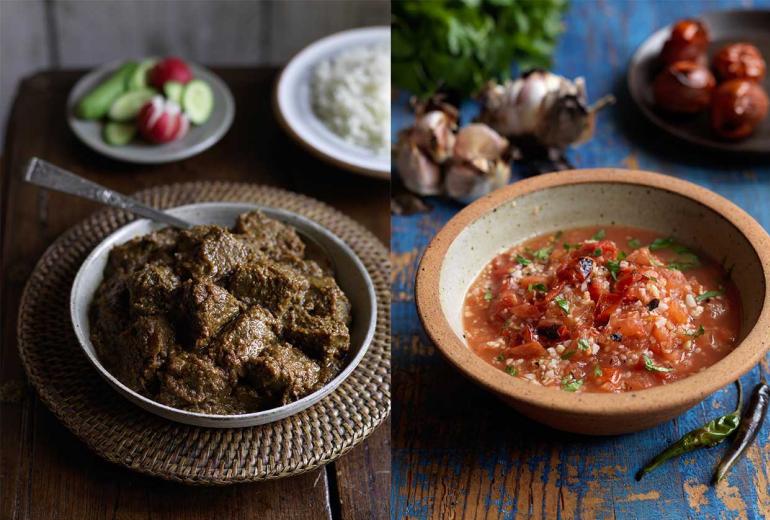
x=568 y=354
x=543 y=253
x=488 y=295
x=562 y=303
x=651 y=278
x=511 y=370
x=583 y=344
x=622 y=255
x=570 y=384
x=613 y=266
x=661 y=243
x=522 y=261
x=598 y=371
x=567 y=246
x=650 y=365
x=599 y=235
x=696 y=333
x=634 y=244
x=537 y=287
x=597 y=252
x=708 y=294
x=500 y=357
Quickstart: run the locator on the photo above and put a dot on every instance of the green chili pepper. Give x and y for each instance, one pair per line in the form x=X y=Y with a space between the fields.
x=706 y=436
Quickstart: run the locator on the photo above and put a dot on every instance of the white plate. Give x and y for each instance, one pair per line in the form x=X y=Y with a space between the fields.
x=350 y=273
x=293 y=106
x=198 y=139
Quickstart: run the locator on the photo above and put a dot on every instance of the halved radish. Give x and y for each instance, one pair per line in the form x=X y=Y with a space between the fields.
x=161 y=121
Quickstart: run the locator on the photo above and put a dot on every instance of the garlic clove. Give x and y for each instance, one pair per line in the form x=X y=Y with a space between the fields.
x=467 y=181
x=478 y=140
x=434 y=134
x=419 y=174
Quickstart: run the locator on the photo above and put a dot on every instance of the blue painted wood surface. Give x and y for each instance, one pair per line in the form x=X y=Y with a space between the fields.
x=457 y=451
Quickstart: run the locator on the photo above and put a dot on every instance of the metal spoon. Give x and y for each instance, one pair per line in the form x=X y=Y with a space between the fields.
x=52 y=177
x=46 y=175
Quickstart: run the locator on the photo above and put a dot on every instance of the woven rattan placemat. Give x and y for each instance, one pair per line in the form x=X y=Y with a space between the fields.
x=125 y=434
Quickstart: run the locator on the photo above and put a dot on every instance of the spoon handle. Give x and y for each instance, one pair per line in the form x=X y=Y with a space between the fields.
x=52 y=177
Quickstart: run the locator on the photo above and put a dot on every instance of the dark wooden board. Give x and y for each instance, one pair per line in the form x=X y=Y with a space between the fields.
x=48 y=473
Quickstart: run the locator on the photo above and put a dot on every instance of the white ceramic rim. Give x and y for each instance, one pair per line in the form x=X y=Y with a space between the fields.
x=291 y=89
x=130 y=154
x=214 y=420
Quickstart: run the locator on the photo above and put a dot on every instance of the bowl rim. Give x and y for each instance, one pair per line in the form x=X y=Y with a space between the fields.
x=217 y=420
x=680 y=393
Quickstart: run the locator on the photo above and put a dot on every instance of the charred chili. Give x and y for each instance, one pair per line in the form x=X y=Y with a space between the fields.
x=706 y=436
x=749 y=428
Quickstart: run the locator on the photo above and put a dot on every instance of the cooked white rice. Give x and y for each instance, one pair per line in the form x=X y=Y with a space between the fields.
x=351 y=95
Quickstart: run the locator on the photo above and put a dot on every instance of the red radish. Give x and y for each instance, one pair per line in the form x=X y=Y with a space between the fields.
x=169 y=69
x=162 y=121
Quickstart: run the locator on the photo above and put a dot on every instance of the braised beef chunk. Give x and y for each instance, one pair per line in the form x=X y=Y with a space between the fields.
x=272 y=237
x=193 y=380
x=220 y=321
x=268 y=284
x=284 y=373
x=156 y=247
x=243 y=340
x=212 y=252
x=206 y=308
x=325 y=299
x=150 y=289
x=321 y=338
x=147 y=344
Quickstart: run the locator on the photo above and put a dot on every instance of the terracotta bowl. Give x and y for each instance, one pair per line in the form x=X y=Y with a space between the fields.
x=545 y=204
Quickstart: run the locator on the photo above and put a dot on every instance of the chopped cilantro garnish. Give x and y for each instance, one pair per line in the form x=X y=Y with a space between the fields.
x=652 y=278
x=511 y=371
x=500 y=358
x=523 y=261
x=568 y=354
x=583 y=344
x=597 y=252
x=634 y=244
x=598 y=371
x=708 y=294
x=622 y=255
x=613 y=266
x=655 y=263
x=570 y=384
x=569 y=246
x=537 y=287
x=488 y=295
x=661 y=243
x=696 y=333
x=652 y=367
x=562 y=303
x=599 y=235
x=543 y=253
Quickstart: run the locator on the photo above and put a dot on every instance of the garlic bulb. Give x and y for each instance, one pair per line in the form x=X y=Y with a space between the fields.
x=479 y=164
x=541 y=105
x=418 y=172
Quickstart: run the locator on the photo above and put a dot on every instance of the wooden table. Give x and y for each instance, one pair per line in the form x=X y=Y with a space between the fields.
x=46 y=471
x=457 y=451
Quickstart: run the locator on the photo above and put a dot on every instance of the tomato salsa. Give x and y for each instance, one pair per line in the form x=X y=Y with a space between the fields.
x=610 y=309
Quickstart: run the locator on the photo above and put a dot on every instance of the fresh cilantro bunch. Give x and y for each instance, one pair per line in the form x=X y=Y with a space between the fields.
x=456 y=46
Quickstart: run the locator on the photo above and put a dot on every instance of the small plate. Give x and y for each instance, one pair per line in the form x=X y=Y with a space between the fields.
x=198 y=139
x=752 y=26
x=293 y=106
x=352 y=276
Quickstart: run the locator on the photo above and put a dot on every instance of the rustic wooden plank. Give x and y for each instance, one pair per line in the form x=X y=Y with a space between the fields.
x=23 y=48
x=47 y=472
x=363 y=478
x=458 y=452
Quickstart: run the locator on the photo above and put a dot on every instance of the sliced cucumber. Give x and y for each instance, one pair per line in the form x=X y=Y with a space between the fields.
x=128 y=105
x=173 y=91
x=197 y=101
x=96 y=103
x=119 y=134
x=138 y=79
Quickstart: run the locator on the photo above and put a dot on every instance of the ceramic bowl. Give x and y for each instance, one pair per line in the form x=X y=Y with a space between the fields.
x=293 y=107
x=545 y=204
x=349 y=271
